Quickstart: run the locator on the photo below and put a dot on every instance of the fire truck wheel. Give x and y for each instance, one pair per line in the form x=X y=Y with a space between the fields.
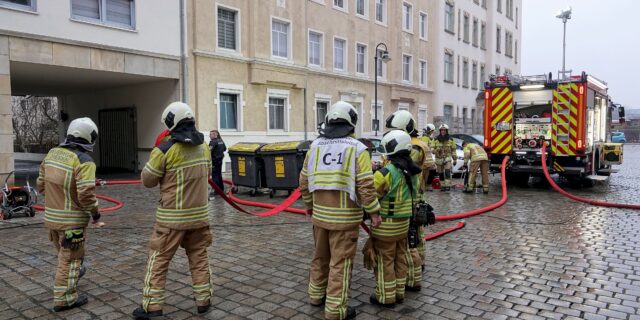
x=519 y=179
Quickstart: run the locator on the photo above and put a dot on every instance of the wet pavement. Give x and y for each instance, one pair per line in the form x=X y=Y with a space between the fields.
x=539 y=256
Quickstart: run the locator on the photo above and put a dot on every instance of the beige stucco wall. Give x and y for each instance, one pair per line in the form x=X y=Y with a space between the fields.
x=255 y=71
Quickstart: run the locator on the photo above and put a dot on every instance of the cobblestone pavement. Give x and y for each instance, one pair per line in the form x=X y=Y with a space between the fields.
x=539 y=256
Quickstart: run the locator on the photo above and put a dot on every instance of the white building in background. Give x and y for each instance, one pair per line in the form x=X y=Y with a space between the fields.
x=115 y=61
x=474 y=39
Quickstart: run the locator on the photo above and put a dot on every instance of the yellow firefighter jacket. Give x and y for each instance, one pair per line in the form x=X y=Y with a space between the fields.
x=445 y=151
x=182 y=171
x=396 y=202
x=68 y=180
x=336 y=182
x=474 y=152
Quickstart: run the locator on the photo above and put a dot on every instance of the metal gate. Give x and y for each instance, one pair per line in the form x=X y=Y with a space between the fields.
x=118 y=140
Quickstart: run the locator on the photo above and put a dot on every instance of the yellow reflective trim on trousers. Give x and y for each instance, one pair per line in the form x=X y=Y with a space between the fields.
x=147 y=281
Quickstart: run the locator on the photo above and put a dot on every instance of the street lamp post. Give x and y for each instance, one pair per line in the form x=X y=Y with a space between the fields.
x=384 y=56
x=565 y=15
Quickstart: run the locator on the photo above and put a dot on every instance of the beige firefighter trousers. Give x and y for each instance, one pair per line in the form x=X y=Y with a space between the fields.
x=163 y=245
x=445 y=173
x=483 y=165
x=415 y=260
x=65 y=286
x=330 y=271
x=391 y=269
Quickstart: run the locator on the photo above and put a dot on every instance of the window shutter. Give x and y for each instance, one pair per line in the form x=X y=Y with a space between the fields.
x=86 y=8
x=119 y=11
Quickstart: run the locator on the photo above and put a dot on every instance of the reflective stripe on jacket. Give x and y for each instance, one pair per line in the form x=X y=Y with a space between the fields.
x=396 y=201
x=182 y=171
x=444 y=151
x=68 y=180
x=474 y=152
x=328 y=193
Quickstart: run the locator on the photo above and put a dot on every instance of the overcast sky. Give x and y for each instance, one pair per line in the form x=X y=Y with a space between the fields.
x=603 y=39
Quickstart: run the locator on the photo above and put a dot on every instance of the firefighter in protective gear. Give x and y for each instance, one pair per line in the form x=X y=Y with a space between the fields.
x=444 y=149
x=422 y=157
x=336 y=182
x=427 y=138
x=68 y=180
x=397 y=190
x=476 y=158
x=181 y=167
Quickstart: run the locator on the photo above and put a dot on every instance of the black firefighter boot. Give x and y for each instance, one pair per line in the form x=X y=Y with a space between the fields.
x=351 y=313
x=82 y=300
x=140 y=314
x=374 y=300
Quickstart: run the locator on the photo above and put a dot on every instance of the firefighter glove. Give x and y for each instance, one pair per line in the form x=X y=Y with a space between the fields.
x=73 y=239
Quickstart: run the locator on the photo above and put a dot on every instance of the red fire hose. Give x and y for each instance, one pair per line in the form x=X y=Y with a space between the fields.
x=478 y=211
x=118 y=205
x=555 y=186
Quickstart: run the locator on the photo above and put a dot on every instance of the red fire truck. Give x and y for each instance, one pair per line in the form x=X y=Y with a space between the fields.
x=573 y=115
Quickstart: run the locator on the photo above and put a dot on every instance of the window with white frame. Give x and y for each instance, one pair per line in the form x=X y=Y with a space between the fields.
x=381 y=67
x=423 y=73
x=473 y=118
x=278 y=109
x=119 y=13
x=483 y=75
x=474 y=36
x=361 y=58
x=483 y=35
x=322 y=106
x=407 y=21
x=406 y=68
x=381 y=11
x=464 y=118
x=315 y=49
x=228 y=111
x=497 y=70
x=447 y=113
x=280 y=39
x=422 y=116
x=361 y=7
x=227 y=28
x=29 y=5
x=508 y=44
x=423 y=25
x=403 y=106
x=466 y=26
x=448 y=66
x=498 y=38
x=516 y=18
x=499 y=6
x=474 y=75
x=484 y=4
x=509 y=12
x=465 y=72
x=515 y=52
x=340 y=4
x=449 y=17
x=339 y=54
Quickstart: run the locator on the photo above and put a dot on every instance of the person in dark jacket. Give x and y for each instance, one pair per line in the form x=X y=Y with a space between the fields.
x=217 y=148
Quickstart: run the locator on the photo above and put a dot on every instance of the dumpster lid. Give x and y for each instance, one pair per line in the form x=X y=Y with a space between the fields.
x=286 y=146
x=246 y=147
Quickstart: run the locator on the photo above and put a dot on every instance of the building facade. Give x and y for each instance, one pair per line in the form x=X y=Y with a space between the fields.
x=474 y=39
x=268 y=71
x=116 y=61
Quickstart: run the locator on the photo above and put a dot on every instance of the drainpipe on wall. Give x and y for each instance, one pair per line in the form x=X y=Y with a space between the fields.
x=183 y=53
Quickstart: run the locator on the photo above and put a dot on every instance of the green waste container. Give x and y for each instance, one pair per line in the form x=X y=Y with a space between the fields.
x=247 y=166
x=282 y=164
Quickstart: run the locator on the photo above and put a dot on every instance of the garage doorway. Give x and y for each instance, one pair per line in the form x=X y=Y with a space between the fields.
x=118 y=140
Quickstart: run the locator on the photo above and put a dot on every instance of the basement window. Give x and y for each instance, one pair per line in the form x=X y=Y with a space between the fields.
x=27 y=5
